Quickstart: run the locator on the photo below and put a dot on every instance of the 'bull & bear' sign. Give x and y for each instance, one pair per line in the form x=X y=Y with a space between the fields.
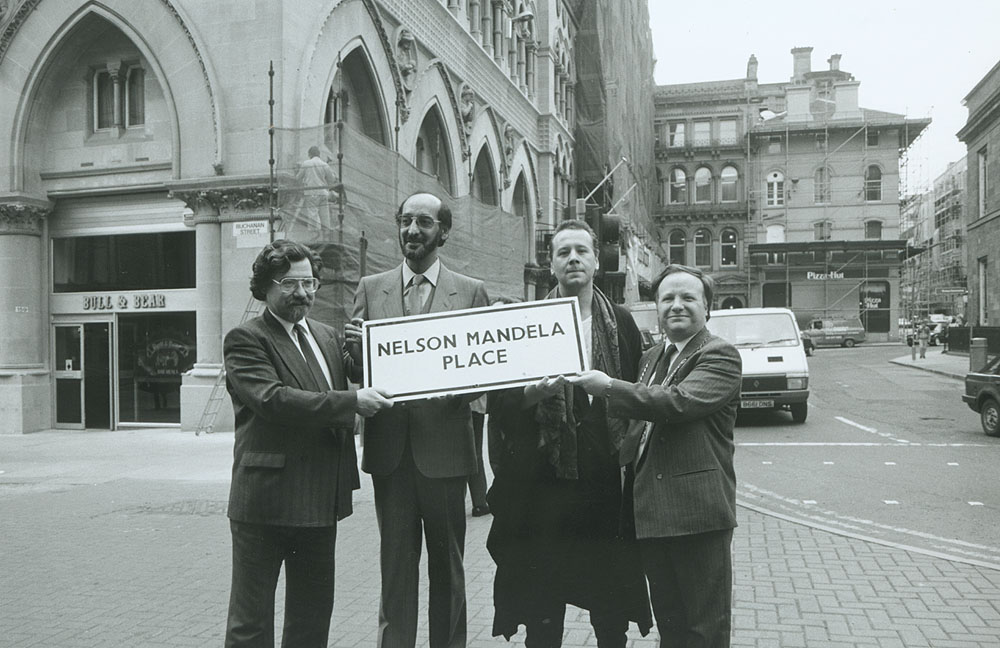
x=472 y=350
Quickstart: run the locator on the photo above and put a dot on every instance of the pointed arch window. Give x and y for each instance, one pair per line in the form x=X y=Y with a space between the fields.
x=433 y=152
x=484 y=185
x=355 y=98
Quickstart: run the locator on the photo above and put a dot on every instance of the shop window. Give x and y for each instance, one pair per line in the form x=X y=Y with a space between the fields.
x=154 y=350
x=703 y=185
x=777 y=295
x=730 y=176
x=676 y=245
x=729 y=247
x=703 y=248
x=873 y=229
x=775 y=189
x=873 y=183
x=124 y=262
x=678 y=187
x=875 y=306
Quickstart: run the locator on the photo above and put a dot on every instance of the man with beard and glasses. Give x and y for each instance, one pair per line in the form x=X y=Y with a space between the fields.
x=295 y=465
x=421 y=453
x=558 y=536
x=679 y=457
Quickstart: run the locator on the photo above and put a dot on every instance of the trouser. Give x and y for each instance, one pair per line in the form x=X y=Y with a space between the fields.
x=477 y=482
x=547 y=630
x=258 y=553
x=406 y=504
x=691 y=587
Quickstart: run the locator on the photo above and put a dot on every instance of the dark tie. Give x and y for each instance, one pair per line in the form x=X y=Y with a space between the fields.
x=662 y=368
x=414 y=302
x=321 y=383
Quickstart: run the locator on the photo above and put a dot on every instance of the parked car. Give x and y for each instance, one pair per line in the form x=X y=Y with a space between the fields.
x=775 y=369
x=845 y=332
x=644 y=314
x=982 y=394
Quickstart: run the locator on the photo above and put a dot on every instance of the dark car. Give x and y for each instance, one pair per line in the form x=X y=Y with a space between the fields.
x=982 y=394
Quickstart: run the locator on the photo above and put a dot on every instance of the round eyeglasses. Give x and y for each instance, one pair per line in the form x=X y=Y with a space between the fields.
x=289 y=285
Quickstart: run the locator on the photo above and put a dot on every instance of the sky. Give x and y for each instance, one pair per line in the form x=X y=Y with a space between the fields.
x=916 y=58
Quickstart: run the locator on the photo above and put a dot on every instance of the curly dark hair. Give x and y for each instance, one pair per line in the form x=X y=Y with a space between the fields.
x=276 y=258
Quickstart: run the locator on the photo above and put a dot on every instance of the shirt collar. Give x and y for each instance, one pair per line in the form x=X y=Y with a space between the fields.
x=431 y=274
x=680 y=345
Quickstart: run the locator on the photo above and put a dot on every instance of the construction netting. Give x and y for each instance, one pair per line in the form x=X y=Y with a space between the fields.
x=338 y=192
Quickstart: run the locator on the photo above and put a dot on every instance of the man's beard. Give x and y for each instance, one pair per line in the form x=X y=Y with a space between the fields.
x=426 y=246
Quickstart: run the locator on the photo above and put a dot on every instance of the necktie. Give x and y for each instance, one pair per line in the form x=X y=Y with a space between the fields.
x=322 y=384
x=662 y=369
x=414 y=302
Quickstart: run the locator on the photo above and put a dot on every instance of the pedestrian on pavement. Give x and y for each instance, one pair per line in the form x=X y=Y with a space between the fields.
x=421 y=453
x=943 y=337
x=923 y=336
x=295 y=465
x=557 y=536
x=477 y=481
x=679 y=462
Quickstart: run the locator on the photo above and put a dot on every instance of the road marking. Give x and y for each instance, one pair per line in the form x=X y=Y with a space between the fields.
x=767 y=463
x=808 y=501
x=975 y=503
x=891 y=501
x=862 y=444
x=890 y=463
x=869 y=429
x=952 y=463
x=827 y=463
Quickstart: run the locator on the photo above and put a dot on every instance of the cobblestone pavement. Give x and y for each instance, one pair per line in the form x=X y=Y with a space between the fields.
x=120 y=539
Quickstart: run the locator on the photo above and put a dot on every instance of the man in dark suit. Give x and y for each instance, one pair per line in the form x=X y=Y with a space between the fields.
x=420 y=453
x=295 y=465
x=679 y=451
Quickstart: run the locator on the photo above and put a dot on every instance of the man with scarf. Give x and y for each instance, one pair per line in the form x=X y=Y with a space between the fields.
x=558 y=536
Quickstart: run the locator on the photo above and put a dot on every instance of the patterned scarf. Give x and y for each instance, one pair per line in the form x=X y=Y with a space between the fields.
x=554 y=415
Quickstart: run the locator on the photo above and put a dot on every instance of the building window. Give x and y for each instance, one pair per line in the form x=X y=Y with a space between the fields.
x=775 y=189
x=703 y=248
x=135 y=96
x=821 y=142
x=728 y=247
x=484 y=186
x=703 y=185
x=729 y=178
x=873 y=184
x=777 y=295
x=678 y=187
x=123 y=262
x=983 y=292
x=981 y=194
x=727 y=131
x=822 y=230
x=871 y=138
x=774 y=144
x=104 y=100
x=702 y=133
x=676 y=245
x=676 y=135
x=821 y=186
x=873 y=229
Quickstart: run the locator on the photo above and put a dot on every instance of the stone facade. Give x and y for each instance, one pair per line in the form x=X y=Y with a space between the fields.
x=151 y=119
x=981 y=135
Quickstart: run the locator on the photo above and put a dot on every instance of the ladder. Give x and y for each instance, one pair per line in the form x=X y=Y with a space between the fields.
x=207 y=421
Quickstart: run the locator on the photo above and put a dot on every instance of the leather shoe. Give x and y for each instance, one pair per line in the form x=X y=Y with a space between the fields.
x=479 y=511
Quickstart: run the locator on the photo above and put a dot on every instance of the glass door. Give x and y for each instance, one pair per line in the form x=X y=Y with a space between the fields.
x=68 y=372
x=83 y=375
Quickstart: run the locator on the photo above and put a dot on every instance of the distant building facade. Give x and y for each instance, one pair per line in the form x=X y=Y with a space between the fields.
x=817 y=181
x=981 y=134
x=134 y=167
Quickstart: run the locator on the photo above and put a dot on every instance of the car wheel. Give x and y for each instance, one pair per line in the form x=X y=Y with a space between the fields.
x=989 y=415
x=848 y=343
x=799 y=412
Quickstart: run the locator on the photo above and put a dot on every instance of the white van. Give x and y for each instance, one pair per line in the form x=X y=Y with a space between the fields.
x=775 y=370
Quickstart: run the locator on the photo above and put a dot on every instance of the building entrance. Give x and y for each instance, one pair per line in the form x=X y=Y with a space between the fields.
x=83 y=375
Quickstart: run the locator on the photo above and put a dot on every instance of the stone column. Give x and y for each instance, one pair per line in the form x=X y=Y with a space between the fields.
x=498 y=52
x=453 y=7
x=474 y=18
x=529 y=73
x=114 y=71
x=521 y=62
x=486 y=34
x=25 y=389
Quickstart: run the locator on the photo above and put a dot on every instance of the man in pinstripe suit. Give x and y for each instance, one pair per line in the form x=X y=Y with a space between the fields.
x=679 y=454
x=294 y=465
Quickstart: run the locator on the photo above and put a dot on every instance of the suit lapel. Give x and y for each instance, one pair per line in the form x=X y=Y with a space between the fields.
x=444 y=292
x=693 y=345
x=391 y=287
x=287 y=351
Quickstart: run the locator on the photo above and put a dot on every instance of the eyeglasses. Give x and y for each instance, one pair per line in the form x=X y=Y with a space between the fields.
x=423 y=222
x=289 y=285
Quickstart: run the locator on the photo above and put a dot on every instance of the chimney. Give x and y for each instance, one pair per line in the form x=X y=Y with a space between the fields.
x=801 y=62
x=834 y=62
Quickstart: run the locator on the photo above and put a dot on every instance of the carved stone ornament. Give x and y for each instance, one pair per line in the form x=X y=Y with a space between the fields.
x=224 y=204
x=406 y=57
x=19 y=218
x=467 y=106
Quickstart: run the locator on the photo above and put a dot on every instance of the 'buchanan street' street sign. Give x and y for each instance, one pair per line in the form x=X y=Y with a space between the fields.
x=473 y=350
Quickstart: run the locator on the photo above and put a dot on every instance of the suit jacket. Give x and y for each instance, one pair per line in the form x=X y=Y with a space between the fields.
x=685 y=483
x=439 y=431
x=294 y=457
